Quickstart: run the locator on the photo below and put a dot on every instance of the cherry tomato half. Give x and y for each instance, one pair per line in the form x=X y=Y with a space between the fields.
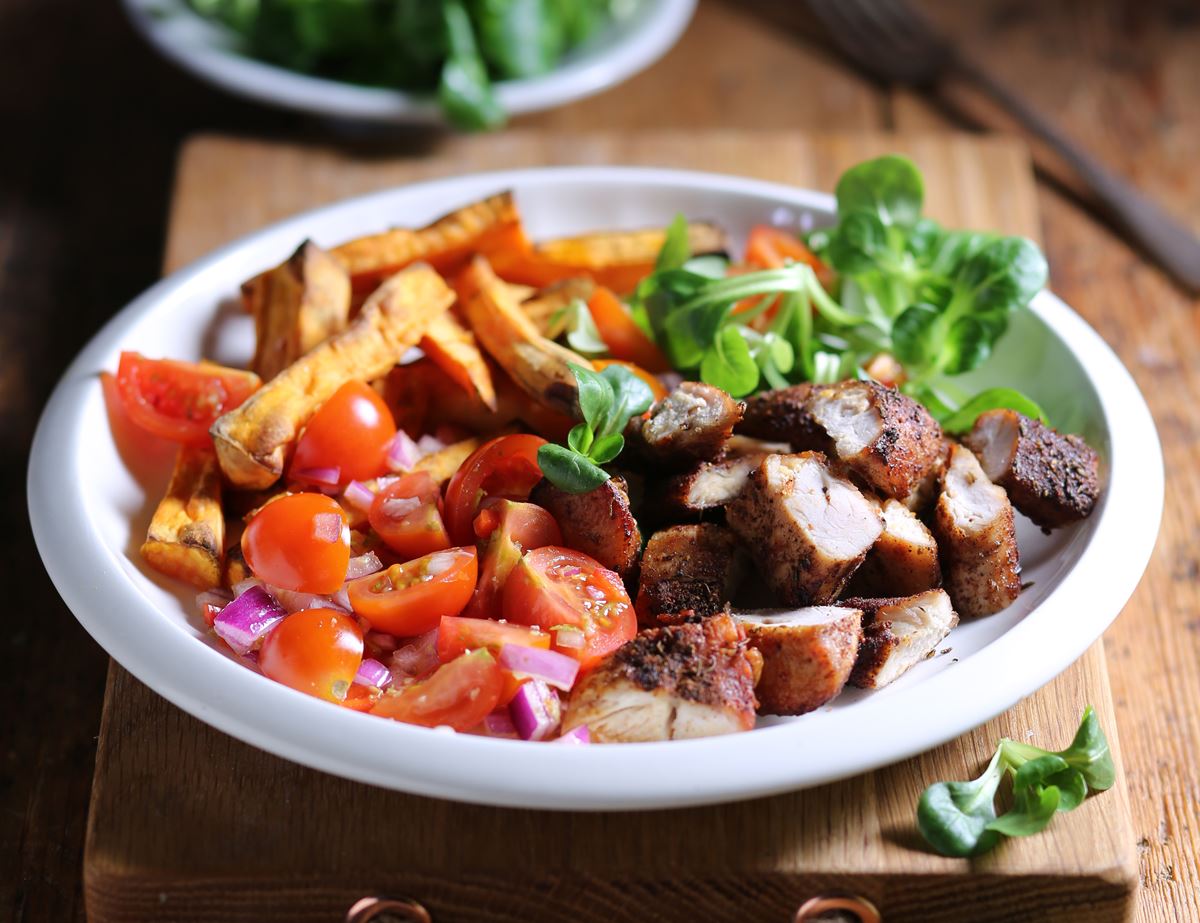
x=299 y=542
x=771 y=248
x=411 y=598
x=405 y=515
x=179 y=400
x=460 y=694
x=509 y=529
x=554 y=586
x=458 y=635
x=317 y=651
x=351 y=431
x=504 y=467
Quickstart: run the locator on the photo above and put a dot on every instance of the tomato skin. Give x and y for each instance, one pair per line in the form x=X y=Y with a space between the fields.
x=414 y=532
x=351 y=431
x=460 y=694
x=407 y=599
x=504 y=467
x=657 y=388
x=317 y=651
x=769 y=248
x=289 y=545
x=518 y=527
x=621 y=334
x=179 y=400
x=457 y=635
x=557 y=586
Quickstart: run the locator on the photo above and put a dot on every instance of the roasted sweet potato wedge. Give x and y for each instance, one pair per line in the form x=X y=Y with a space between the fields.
x=186 y=538
x=452 y=347
x=546 y=308
x=253 y=440
x=442 y=464
x=297 y=305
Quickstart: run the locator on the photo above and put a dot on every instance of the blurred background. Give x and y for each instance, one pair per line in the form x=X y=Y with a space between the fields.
x=92 y=121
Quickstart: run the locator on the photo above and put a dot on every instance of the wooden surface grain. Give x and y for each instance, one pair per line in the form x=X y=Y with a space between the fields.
x=97 y=120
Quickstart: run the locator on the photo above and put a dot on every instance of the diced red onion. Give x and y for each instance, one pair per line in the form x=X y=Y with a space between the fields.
x=402 y=453
x=427 y=445
x=325 y=477
x=418 y=658
x=295 y=601
x=359 y=495
x=535 y=710
x=341 y=600
x=569 y=637
x=441 y=561
x=373 y=673
x=328 y=527
x=499 y=724
x=218 y=599
x=381 y=641
x=245 y=622
x=250 y=659
x=558 y=670
x=363 y=565
x=399 y=507
x=576 y=736
x=243 y=585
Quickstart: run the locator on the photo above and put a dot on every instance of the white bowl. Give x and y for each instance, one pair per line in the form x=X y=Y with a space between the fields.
x=91 y=494
x=210 y=51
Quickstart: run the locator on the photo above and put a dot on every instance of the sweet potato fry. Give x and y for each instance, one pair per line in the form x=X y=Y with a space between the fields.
x=540 y=367
x=298 y=304
x=546 y=307
x=446 y=244
x=186 y=537
x=617 y=259
x=442 y=464
x=253 y=440
x=452 y=347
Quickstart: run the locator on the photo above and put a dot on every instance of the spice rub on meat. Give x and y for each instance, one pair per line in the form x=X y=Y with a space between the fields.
x=689 y=680
x=688 y=568
x=904 y=559
x=899 y=633
x=1051 y=478
x=783 y=415
x=690 y=424
x=973 y=523
x=599 y=523
x=809 y=528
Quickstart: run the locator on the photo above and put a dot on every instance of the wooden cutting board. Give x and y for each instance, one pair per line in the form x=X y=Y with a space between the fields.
x=188 y=824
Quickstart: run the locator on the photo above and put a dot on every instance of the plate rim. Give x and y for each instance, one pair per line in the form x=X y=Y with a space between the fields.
x=214 y=688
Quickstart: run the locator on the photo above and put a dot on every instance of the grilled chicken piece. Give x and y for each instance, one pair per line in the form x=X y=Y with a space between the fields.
x=974 y=526
x=684 y=568
x=809 y=529
x=903 y=561
x=709 y=485
x=1051 y=478
x=690 y=424
x=599 y=523
x=885 y=437
x=807 y=655
x=783 y=415
x=690 y=680
x=899 y=633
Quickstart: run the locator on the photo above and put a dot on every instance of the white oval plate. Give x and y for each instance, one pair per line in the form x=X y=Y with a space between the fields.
x=210 y=51
x=92 y=492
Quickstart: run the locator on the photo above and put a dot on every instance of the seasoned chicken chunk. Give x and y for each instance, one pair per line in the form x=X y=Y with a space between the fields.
x=885 y=437
x=694 y=567
x=690 y=424
x=899 y=633
x=689 y=680
x=974 y=526
x=903 y=561
x=1051 y=478
x=808 y=529
x=783 y=415
x=599 y=523
x=807 y=655
x=708 y=485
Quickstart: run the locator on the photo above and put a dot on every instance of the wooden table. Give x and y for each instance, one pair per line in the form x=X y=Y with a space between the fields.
x=92 y=122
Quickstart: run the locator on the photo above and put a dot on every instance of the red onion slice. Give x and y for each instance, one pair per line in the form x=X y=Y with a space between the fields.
x=359 y=495
x=576 y=736
x=325 y=477
x=402 y=453
x=327 y=527
x=427 y=445
x=243 y=585
x=373 y=673
x=535 y=710
x=568 y=637
x=418 y=658
x=295 y=601
x=558 y=670
x=363 y=565
x=381 y=641
x=245 y=622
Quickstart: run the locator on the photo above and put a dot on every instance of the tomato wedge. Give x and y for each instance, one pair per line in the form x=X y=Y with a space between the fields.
x=405 y=515
x=317 y=651
x=621 y=334
x=555 y=586
x=299 y=542
x=351 y=432
x=509 y=529
x=460 y=694
x=771 y=248
x=409 y=599
x=457 y=635
x=180 y=400
x=505 y=467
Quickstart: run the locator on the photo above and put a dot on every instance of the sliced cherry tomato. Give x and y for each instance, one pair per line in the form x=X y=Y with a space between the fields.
x=405 y=515
x=458 y=635
x=180 y=400
x=360 y=697
x=657 y=388
x=504 y=467
x=411 y=598
x=460 y=694
x=621 y=334
x=299 y=542
x=509 y=529
x=554 y=586
x=317 y=651
x=770 y=248
x=351 y=431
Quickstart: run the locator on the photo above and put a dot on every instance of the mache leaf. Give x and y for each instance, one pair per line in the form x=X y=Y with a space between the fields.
x=569 y=470
x=890 y=186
